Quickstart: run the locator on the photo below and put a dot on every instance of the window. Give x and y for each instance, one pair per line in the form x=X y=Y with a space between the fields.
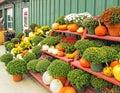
x=10 y=19
x=25 y=18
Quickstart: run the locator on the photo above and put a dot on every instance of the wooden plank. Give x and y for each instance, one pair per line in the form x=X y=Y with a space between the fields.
x=67 y=7
x=81 y=6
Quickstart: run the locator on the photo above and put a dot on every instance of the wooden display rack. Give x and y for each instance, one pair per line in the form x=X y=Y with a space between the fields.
x=75 y=63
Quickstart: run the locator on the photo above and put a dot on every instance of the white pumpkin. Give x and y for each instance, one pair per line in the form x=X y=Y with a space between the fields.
x=55 y=85
x=19 y=56
x=47 y=78
x=45 y=47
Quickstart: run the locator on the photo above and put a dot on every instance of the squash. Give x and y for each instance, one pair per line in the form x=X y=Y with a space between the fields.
x=59 y=47
x=72 y=27
x=67 y=89
x=63 y=27
x=24 y=52
x=55 y=86
x=114 y=63
x=100 y=30
x=72 y=55
x=55 y=26
x=116 y=72
x=60 y=53
x=47 y=79
x=84 y=63
x=107 y=71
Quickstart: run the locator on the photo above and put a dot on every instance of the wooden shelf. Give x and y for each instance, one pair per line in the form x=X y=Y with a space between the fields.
x=68 y=32
x=38 y=77
x=62 y=58
x=98 y=74
x=111 y=38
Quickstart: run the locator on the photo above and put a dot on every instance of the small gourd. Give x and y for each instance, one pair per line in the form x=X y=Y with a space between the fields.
x=114 y=63
x=45 y=47
x=63 y=27
x=55 y=86
x=60 y=53
x=108 y=71
x=55 y=26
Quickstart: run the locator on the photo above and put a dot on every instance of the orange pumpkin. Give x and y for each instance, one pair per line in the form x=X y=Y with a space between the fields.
x=59 y=47
x=60 y=53
x=55 y=26
x=63 y=27
x=84 y=62
x=100 y=30
x=67 y=89
x=114 y=63
x=72 y=27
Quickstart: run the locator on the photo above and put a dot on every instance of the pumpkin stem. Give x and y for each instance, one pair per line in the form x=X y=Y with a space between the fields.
x=99 y=22
x=106 y=64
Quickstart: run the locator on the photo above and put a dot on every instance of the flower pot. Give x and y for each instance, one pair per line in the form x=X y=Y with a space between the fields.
x=96 y=67
x=18 y=77
x=91 y=30
x=61 y=78
x=114 y=30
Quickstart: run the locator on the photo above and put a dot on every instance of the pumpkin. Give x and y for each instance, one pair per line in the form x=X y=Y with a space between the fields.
x=116 y=72
x=63 y=27
x=84 y=63
x=114 y=63
x=107 y=71
x=55 y=26
x=60 y=53
x=55 y=86
x=47 y=78
x=100 y=30
x=59 y=47
x=67 y=89
x=72 y=27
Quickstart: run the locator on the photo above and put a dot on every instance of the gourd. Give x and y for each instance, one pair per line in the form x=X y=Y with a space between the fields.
x=54 y=51
x=72 y=55
x=67 y=89
x=55 y=26
x=59 y=47
x=60 y=53
x=84 y=63
x=63 y=27
x=55 y=86
x=107 y=71
x=72 y=27
x=100 y=30
x=116 y=72
x=47 y=78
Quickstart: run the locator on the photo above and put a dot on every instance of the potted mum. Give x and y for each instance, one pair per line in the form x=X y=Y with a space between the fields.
x=17 y=68
x=91 y=22
x=96 y=56
x=59 y=69
x=79 y=79
x=111 y=18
